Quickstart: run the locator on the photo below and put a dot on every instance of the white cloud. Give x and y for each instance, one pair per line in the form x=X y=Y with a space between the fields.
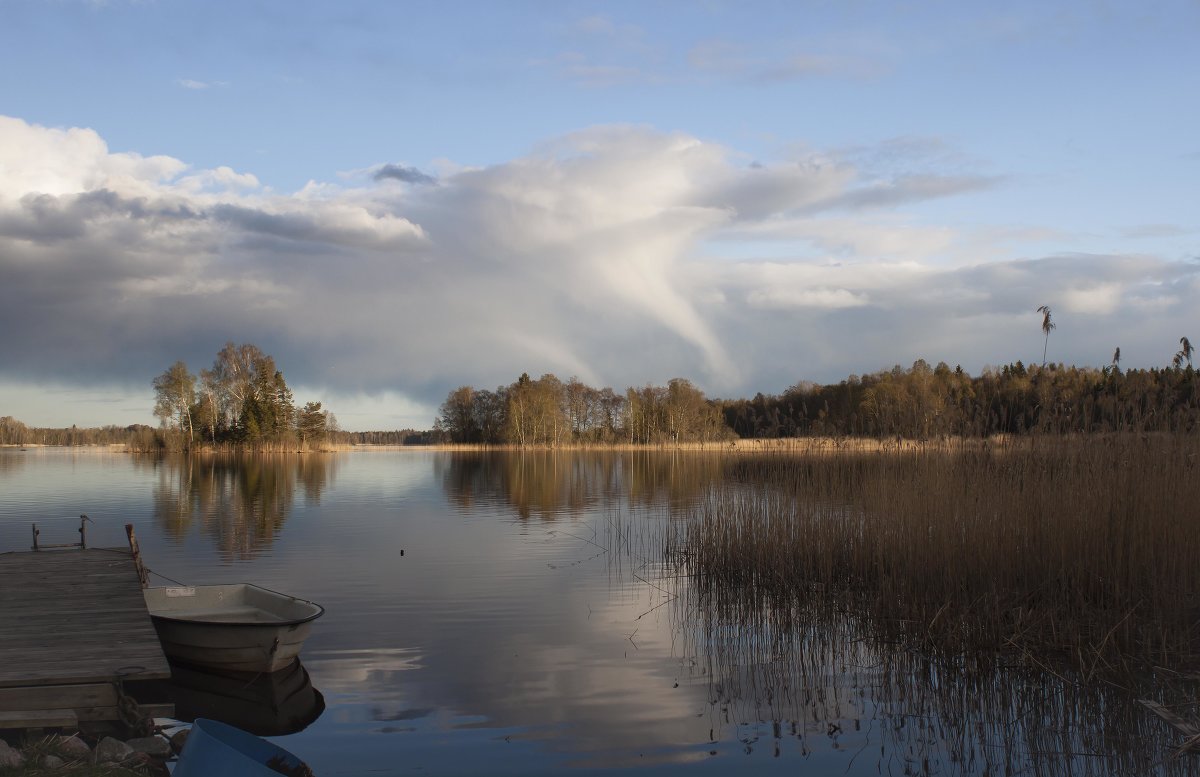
x=41 y=160
x=863 y=236
x=219 y=179
x=1101 y=298
x=806 y=298
x=620 y=254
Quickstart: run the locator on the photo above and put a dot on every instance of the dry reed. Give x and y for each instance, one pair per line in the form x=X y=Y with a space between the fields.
x=1054 y=547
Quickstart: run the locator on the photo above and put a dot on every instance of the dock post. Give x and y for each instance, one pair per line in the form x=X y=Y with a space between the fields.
x=137 y=555
x=35 y=536
x=83 y=519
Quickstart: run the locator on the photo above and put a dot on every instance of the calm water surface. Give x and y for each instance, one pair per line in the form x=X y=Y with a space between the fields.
x=511 y=614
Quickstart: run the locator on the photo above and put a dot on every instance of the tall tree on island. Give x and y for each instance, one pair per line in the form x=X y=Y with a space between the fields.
x=233 y=378
x=175 y=393
x=311 y=423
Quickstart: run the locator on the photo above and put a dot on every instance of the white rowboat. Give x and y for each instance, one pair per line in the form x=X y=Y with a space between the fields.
x=238 y=627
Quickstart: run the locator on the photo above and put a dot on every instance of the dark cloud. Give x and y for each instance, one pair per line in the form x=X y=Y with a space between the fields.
x=46 y=218
x=402 y=173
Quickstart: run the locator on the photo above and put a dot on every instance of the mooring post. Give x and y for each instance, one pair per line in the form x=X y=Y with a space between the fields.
x=35 y=534
x=83 y=519
x=137 y=555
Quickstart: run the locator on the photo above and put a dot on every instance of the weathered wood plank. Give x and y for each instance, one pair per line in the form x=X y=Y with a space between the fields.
x=58 y=697
x=74 y=617
x=158 y=709
x=39 y=719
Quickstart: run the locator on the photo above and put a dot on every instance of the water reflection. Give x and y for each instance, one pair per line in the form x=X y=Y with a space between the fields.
x=810 y=673
x=240 y=501
x=266 y=704
x=546 y=484
x=534 y=626
x=12 y=460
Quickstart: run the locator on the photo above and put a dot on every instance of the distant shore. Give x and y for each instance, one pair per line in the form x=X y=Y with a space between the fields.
x=773 y=445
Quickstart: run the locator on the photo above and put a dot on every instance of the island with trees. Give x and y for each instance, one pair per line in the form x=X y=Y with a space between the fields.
x=241 y=400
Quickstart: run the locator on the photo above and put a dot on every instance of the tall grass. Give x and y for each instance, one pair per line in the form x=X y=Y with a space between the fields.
x=1086 y=549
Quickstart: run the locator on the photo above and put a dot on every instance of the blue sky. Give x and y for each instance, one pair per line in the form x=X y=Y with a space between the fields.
x=396 y=198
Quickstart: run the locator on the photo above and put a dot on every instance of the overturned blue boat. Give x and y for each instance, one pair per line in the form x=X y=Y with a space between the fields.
x=214 y=748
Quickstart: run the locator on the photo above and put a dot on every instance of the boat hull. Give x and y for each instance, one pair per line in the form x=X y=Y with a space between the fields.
x=239 y=627
x=214 y=748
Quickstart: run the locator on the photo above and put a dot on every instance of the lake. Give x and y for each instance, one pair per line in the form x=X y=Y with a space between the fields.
x=520 y=613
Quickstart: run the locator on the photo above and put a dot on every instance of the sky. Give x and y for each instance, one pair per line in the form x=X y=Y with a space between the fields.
x=396 y=199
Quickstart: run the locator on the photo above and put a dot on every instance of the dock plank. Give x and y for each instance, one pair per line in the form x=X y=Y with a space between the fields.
x=39 y=719
x=74 y=617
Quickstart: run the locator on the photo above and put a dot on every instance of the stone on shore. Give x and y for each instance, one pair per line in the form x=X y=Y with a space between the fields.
x=112 y=751
x=155 y=747
x=10 y=758
x=73 y=747
x=52 y=762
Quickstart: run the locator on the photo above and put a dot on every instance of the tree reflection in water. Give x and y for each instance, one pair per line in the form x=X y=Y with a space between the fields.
x=545 y=484
x=239 y=500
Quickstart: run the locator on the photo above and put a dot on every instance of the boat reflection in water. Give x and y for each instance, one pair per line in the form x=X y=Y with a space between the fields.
x=265 y=704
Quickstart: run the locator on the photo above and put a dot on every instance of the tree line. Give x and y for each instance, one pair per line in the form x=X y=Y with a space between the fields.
x=243 y=399
x=923 y=402
x=14 y=432
x=547 y=411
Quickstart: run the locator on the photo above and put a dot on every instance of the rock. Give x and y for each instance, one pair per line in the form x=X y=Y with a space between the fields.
x=112 y=751
x=73 y=747
x=9 y=757
x=154 y=767
x=178 y=738
x=52 y=762
x=155 y=747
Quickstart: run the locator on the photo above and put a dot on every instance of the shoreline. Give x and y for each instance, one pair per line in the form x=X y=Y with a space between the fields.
x=800 y=445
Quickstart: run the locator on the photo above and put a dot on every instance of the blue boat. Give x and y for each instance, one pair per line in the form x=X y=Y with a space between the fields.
x=214 y=748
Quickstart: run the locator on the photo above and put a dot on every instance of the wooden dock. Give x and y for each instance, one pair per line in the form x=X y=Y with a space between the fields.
x=74 y=635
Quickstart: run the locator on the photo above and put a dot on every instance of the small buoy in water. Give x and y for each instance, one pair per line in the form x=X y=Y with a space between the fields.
x=402 y=551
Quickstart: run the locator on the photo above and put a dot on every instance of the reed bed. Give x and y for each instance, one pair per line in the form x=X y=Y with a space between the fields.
x=815 y=673
x=1083 y=549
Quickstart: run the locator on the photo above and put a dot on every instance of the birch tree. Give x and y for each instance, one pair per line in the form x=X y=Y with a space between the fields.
x=175 y=393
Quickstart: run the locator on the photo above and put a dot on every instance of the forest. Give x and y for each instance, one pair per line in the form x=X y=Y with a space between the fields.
x=920 y=403
x=923 y=402
x=243 y=400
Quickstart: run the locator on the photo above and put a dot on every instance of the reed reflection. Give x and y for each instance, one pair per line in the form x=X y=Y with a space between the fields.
x=816 y=668
x=545 y=484
x=240 y=501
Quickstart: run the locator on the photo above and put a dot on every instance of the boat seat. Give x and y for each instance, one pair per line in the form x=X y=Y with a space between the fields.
x=226 y=614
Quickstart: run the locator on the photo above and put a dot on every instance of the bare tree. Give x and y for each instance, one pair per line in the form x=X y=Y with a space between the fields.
x=175 y=393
